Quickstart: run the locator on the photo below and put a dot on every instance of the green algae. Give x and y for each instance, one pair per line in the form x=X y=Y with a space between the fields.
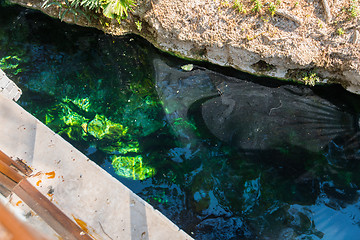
x=11 y=63
x=68 y=118
x=111 y=137
x=120 y=147
x=132 y=167
x=101 y=127
x=82 y=103
x=65 y=121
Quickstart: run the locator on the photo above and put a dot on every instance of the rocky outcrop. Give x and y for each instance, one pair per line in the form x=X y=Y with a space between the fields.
x=306 y=41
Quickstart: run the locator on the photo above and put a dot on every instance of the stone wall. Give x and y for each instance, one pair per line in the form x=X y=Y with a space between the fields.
x=298 y=41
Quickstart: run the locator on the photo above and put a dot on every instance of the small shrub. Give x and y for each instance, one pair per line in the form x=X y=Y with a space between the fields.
x=117 y=8
x=320 y=24
x=239 y=6
x=272 y=9
x=225 y=3
x=257 y=7
x=66 y=7
x=353 y=10
x=340 y=31
x=311 y=79
x=114 y=9
x=87 y=4
x=138 y=25
x=273 y=6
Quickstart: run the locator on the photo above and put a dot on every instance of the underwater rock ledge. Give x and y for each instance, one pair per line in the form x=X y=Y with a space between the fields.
x=294 y=40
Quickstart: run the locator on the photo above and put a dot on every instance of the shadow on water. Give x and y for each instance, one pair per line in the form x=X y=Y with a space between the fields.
x=223 y=154
x=288 y=142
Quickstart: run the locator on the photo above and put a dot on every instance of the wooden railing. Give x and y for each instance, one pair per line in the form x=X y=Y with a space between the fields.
x=13 y=180
x=13 y=229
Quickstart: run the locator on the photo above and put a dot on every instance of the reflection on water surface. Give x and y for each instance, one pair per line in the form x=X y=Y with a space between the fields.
x=223 y=158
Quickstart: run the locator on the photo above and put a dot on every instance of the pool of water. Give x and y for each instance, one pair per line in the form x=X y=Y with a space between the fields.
x=222 y=154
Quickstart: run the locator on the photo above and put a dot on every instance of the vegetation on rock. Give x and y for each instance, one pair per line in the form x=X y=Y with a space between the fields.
x=114 y=9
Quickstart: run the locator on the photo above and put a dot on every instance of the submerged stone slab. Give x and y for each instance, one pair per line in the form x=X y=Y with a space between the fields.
x=99 y=203
x=8 y=88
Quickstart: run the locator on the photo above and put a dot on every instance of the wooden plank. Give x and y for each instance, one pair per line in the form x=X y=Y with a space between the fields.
x=7 y=182
x=22 y=167
x=9 y=172
x=4 y=191
x=53 y=216
x=5 y=234
x=5 y=158
x=17 y=229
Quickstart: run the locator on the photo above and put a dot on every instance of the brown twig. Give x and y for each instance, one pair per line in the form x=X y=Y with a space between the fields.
x=287 y=15
x=355 y=37
x=104 y=231
x=327 y=11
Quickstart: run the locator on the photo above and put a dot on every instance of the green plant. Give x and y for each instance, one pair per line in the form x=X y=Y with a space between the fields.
x=87 y=4
x=320 y=24
x=239 y=6
x=225 y=3
x=311 y=79
x=114 y=9
x=272 y=9
x=353 y=10
x=265 y=19
x=138 y=25
x=65 y=7
x=340 y=31
x=273 y=6
x=257 y=7
x=117 y=9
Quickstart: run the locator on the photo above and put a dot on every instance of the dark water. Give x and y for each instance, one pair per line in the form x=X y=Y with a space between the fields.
x=223 y=158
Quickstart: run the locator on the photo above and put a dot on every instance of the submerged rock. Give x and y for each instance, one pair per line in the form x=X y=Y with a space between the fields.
x=132 y=167
x=251 y=116
x=101 y=127
x=254 y=117
x=291 y=149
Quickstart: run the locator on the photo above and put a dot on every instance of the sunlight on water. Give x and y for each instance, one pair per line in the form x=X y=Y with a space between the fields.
x=223 y=158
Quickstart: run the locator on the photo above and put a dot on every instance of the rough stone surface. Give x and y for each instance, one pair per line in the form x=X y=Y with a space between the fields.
x=298 y=37
x=8 y=88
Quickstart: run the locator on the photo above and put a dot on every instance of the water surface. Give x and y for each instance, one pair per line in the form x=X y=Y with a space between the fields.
x=222 y=154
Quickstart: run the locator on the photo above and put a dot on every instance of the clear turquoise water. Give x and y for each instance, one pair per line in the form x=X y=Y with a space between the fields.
x=109 y=98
